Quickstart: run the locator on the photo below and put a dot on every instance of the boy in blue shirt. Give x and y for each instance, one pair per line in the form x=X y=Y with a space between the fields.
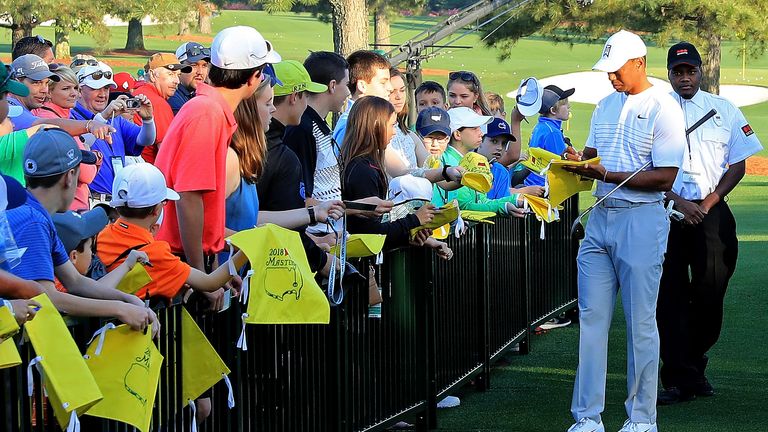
x=51 y=167
x=548 y=133
x=497 y=136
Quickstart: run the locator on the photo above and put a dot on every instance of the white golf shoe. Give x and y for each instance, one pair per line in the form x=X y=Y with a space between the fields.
x=587 y=425
x=630 y=426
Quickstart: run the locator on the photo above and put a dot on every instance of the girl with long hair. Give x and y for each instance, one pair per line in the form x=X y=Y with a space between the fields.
x=370 y=128
x=464 y=90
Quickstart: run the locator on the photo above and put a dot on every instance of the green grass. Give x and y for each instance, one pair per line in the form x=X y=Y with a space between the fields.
x=533 y=394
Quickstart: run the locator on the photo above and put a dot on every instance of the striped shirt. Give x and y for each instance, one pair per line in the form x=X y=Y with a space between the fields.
x=628 y=130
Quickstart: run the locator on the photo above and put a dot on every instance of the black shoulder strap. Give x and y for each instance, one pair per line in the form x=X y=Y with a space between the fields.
x=125 y=254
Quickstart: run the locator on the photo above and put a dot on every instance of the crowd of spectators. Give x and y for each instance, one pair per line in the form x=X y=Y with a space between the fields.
x=104 y=171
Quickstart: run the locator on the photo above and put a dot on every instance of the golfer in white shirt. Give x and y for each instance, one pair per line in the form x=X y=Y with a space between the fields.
x=626 y=236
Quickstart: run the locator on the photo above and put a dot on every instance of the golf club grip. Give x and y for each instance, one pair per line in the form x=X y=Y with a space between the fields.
x=701 y=121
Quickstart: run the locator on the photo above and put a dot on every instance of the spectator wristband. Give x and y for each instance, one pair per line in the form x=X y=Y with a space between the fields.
x=311 y=211
x=445 y=173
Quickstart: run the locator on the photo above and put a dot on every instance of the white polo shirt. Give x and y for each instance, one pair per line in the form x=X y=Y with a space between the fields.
x=721 y=141
x=628 y=130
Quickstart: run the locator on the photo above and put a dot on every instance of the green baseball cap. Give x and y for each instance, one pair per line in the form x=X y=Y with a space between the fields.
x=295 y=79
x=7 y=84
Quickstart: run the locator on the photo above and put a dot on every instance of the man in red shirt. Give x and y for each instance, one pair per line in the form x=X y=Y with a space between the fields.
x=193 y=153
x=161 y=80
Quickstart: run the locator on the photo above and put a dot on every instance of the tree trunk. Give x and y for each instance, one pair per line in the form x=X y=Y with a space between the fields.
x=22 y=27
x=204 y=18
x=183 y=27
x=350 y=26
x=710 y=79
x=16 y=34
x=135 y=39
x=381 y=29
x=61 y=44
x=185 y=23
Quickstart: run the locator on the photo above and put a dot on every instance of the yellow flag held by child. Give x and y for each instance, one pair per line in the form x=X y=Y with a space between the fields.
x=542 y=208
x=71 y=388
x=126 y=365
x=282 y=288
x=201 y=366
x=134 y=280
x=9 y=355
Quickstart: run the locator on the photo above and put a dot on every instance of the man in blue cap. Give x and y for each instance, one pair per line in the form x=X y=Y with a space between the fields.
x=51 y=167
x=198 y=58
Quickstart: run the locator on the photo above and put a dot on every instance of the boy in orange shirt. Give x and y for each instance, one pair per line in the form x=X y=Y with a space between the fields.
x=139 y=195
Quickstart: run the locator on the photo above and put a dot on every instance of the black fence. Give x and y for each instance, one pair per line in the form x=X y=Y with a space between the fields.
x=443 y=324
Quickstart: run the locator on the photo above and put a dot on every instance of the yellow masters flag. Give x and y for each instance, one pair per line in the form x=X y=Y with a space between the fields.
x=8 y=324
x=126 y=365
x=362 y=245
x=564 y=184
x=448 y=213
x=539 y=159
x=9 y=355
x=201 y=366
x=282 y=287
x=544 y=211
x=134 y=280
x=71 y=388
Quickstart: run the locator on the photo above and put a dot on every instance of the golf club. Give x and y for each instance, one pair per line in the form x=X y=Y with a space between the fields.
x=577 y=229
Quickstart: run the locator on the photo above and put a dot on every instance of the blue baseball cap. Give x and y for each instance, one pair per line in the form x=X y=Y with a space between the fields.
x=73 y=227
x=433 y=119
x=497 y=127
x=53 y=151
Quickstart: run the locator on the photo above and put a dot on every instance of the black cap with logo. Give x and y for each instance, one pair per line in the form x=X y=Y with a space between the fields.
x=683 y=53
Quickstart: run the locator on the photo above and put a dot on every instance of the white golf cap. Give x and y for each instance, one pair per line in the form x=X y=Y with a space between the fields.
x=529 y=96
x=462 y=117
x=87 y=76
x=620 y=48
x=241 y=47
x=140 y=185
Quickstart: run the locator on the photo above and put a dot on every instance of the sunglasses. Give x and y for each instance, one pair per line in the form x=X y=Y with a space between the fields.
x=43 y=40
x=81 y=62
x=464 y=76
x=97 y=75
x=53 y=67
x=196 y=51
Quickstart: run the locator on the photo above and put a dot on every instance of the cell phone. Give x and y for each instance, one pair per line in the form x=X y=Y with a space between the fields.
x=132 y=103
x=227 y=300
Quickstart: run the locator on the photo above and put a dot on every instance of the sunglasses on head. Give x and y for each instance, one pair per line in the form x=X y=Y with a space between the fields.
x=43 y=40
x=464 y=76
x=196 y=51
x=97 y=75
x=80 y=62
x=53 y=67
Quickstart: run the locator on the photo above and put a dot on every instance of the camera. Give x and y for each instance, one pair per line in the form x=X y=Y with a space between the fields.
x=132 y=103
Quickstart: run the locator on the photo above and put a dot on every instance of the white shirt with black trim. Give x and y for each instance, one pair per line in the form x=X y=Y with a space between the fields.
x=723 y=140
x=628 y=130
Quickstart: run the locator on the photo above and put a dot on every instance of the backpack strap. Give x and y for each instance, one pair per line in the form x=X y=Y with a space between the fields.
x=125 y=254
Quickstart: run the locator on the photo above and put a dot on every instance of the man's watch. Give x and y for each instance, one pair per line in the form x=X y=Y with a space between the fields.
x=311 y=211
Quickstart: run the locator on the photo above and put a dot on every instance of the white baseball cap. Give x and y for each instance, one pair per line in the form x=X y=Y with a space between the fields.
x=619 y=49
x=529 y=96
x=241 y=47
x=462 y=117
x=87 y=76
x=140 y=185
